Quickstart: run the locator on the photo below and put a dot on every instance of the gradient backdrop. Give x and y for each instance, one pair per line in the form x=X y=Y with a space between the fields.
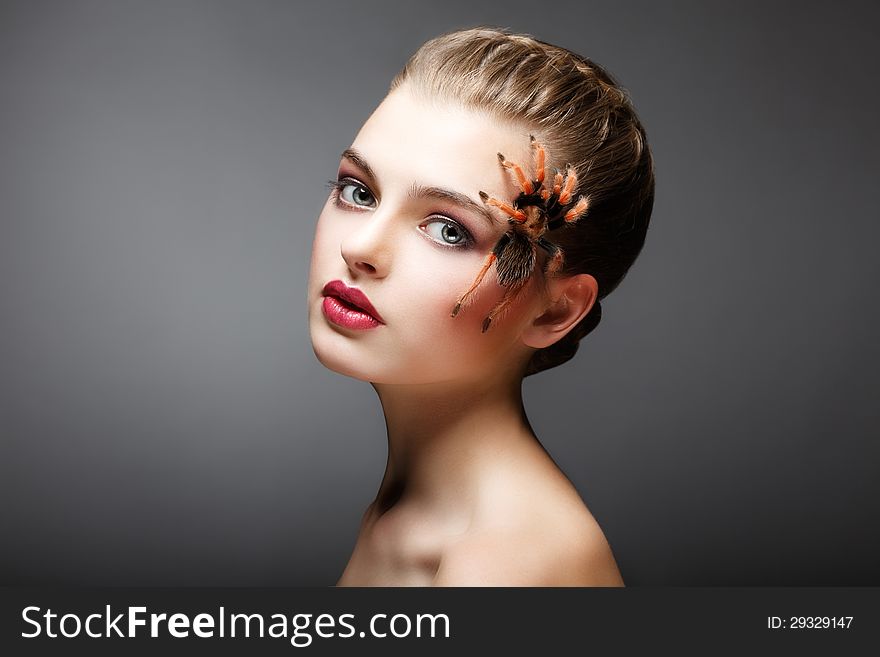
x=164 y=420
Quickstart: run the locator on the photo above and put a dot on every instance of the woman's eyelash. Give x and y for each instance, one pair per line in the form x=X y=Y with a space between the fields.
x=468 y=241
x=336 y=187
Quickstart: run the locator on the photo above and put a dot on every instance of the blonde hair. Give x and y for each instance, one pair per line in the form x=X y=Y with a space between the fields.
x=578 y=111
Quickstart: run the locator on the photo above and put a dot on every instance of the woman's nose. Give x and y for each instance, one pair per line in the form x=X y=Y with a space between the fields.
x=367 y=248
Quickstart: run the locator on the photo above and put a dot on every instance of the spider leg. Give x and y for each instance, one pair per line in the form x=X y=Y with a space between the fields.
x=524 y=182
x=492 y=257
x=512 y=212
x=539 y=160
x=510 y=296
x=557 y=187
x=568 y=186
x=554 y=264
x=466 y=296
x=579 y=208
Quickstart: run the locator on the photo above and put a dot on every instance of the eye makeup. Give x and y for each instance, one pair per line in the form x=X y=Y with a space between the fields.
x=344 y=181
x=462 y=201
x=336 y=187
x=467 y=242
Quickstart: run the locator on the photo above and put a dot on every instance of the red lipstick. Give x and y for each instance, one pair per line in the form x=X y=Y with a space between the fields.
x=349 y=307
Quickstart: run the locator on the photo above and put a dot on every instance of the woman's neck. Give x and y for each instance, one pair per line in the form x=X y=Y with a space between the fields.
x=442 y=437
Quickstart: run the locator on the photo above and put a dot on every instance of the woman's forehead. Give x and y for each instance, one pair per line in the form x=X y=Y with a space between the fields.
x=431 y=143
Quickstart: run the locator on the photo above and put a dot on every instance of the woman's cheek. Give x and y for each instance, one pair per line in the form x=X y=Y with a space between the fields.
x=327 y=258
x=319 y=244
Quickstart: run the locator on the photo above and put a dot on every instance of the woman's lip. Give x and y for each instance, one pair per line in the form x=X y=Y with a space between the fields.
x=353 y=296
x=339 y=313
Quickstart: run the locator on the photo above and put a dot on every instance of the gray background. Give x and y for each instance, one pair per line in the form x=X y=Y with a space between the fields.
x=164 y=420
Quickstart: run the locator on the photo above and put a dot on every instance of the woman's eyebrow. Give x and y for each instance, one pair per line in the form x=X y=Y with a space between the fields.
x=462 y=200
x=358 y=159
x=456 y=198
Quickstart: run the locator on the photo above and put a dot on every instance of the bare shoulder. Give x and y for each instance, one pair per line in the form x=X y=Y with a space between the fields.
x=500 y=559
x=545 y=537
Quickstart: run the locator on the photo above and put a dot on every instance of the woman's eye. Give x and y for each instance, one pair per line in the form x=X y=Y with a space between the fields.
x=355 y=194
x=448 y=232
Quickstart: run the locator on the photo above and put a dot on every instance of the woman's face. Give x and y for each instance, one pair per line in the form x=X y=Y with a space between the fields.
x=389 y=231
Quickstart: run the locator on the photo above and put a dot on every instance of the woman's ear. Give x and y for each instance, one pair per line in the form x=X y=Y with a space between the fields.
x=570 y=299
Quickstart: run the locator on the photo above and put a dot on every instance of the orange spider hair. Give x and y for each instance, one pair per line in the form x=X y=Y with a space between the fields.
x=532 y=213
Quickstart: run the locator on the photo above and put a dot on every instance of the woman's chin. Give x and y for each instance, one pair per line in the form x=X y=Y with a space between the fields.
x=377 y=373
x=337 y=362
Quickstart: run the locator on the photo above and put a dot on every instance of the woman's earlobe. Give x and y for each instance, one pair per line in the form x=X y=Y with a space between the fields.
x=571 y=298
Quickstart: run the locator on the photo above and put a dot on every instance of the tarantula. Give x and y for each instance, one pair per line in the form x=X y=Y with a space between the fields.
x=532 y=213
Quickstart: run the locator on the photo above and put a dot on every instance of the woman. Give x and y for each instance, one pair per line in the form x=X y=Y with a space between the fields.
x=403 y=283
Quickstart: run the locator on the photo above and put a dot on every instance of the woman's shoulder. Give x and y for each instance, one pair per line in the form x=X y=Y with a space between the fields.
x=502 y=558
x=532 y=529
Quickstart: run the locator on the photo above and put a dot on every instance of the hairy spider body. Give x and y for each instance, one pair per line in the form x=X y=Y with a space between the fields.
x=532 y=213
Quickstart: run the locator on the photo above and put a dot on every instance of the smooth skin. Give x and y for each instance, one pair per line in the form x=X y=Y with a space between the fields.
x=469 y=496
